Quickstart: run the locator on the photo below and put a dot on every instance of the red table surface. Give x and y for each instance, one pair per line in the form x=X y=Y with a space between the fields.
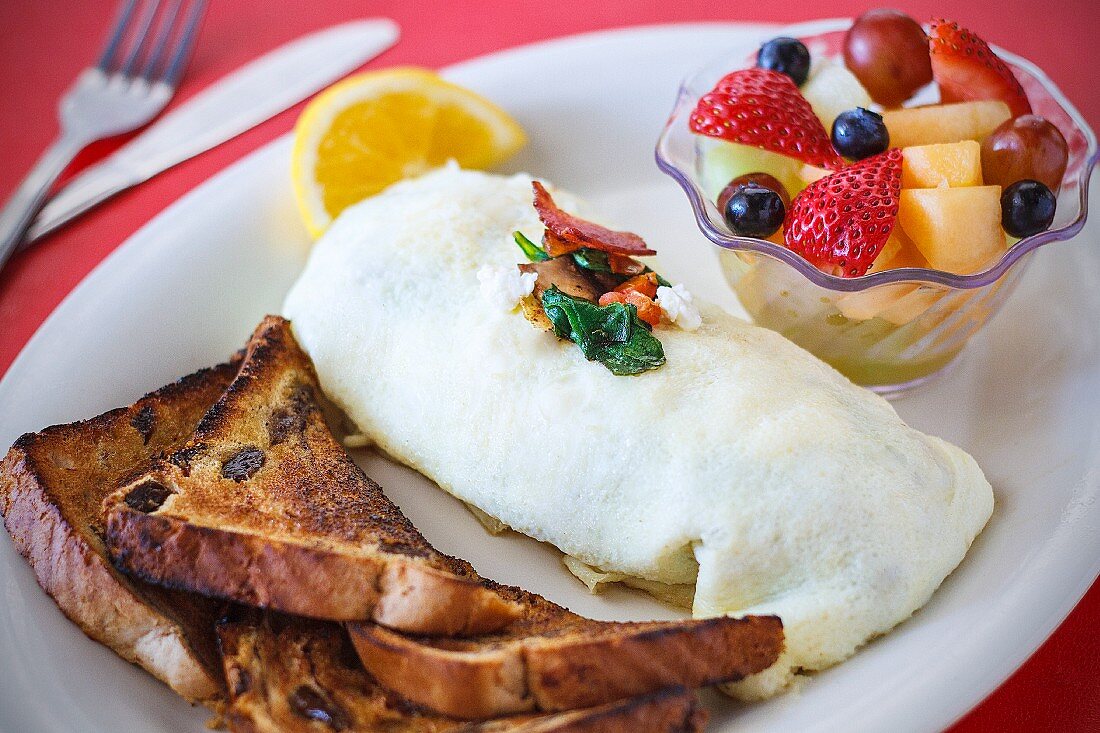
x=44 y=44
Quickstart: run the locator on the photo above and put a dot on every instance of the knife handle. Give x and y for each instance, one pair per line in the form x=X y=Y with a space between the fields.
x=32 y=191
x=86 y=191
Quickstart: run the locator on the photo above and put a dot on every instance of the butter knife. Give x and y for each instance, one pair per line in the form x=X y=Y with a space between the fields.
x=236 y=103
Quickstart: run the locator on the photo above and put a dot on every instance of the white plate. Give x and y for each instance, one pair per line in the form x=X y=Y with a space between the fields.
x=187 y=289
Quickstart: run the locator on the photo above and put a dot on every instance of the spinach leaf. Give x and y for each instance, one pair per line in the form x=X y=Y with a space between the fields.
x=591 y=259
x=612 y=334
x=534 y=252
x=596 y=261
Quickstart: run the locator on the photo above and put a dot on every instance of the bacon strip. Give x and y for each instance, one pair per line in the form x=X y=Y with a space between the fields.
x=555 y=246
x=574 y=229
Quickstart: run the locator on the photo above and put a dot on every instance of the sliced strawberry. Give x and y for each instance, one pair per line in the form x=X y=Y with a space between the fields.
x=764 y=109
x=566 y=230
x=841 y=222
x=967 y=69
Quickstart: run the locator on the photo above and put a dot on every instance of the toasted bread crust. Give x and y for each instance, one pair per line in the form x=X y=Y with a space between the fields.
x=670 y=711
x=555 y=660
x=51 y=485
x=290 y=675
x=264 y=507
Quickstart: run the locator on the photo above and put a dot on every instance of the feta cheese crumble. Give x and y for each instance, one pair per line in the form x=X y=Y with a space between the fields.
x=677 y=306
x=504 y=287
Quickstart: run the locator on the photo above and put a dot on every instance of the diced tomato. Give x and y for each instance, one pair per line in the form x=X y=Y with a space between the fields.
x=646 y=284
x=555 y=246
x=648 y=311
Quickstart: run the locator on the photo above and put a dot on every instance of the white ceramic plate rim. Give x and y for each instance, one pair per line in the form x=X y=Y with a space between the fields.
x=939 y=699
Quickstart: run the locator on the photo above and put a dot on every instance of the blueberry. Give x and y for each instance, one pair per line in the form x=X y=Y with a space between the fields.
x=1027 y=207
x=860 y=133
x=754 y=211
x=786 y=55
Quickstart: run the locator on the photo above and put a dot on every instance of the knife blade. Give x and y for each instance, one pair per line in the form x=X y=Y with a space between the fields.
x=238 y=102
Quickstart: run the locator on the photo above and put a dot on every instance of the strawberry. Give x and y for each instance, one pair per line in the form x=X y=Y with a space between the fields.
x=841 y=222
x=764 y=109
x=967 y=69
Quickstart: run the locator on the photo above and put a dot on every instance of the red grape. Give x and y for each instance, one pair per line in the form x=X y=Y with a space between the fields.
x=1026 y=147
x=888 y=52
x=764 y=180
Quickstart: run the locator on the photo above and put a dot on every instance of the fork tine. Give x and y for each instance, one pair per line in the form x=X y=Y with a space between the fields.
x=164 y=33
x=118 y=33
x=141 y=37
x=186 y=41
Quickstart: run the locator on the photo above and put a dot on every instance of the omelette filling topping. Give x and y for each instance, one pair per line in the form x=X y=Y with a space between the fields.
x=584 y=284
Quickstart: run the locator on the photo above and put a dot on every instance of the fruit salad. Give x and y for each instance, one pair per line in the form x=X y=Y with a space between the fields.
x=867 y=178
x=819 y=155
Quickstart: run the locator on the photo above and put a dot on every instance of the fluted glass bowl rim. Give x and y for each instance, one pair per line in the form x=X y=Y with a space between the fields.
x=677 y=124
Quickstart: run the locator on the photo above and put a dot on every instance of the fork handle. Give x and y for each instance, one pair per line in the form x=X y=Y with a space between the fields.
x=31 y=194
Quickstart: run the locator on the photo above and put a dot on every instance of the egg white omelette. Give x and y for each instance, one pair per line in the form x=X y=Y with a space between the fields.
x=743 y=465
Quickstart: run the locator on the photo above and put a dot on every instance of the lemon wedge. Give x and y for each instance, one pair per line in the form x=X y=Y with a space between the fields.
x=372 y=130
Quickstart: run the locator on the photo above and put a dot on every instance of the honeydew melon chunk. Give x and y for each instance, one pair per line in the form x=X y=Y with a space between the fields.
x=832 y=89
x=956 y=229
x=723 y=161
x=942 y=164
x=944 y=123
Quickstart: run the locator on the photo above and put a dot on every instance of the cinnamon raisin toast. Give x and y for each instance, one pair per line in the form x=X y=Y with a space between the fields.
x=52 y=485
x=265 y=508
x=553 y=659
x=292 y=675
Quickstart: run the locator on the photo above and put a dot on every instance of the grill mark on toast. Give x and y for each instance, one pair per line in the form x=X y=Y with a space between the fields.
x=143 y=422
x=184 y=456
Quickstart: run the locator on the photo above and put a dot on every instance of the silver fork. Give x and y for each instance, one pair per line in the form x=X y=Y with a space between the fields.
x=130 y=84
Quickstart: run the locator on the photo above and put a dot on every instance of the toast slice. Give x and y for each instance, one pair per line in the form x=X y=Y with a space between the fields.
x=52 y=486
x=292 y=675
x=553 y=659
x=264 y=507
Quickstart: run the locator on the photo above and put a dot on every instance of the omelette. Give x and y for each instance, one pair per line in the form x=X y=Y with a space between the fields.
x=743 y=465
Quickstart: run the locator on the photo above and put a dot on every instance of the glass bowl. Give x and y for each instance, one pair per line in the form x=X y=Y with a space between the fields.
x=893 y=329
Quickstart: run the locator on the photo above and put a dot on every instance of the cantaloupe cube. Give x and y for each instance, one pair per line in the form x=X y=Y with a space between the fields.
x=810 y=173
x=956 y=229
x=913 y=304
x=866 y=304
x=898 y=249
x=889 y=250
x=897 y=252
x=944 y=164
x=908 y=256
x=944 y=123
